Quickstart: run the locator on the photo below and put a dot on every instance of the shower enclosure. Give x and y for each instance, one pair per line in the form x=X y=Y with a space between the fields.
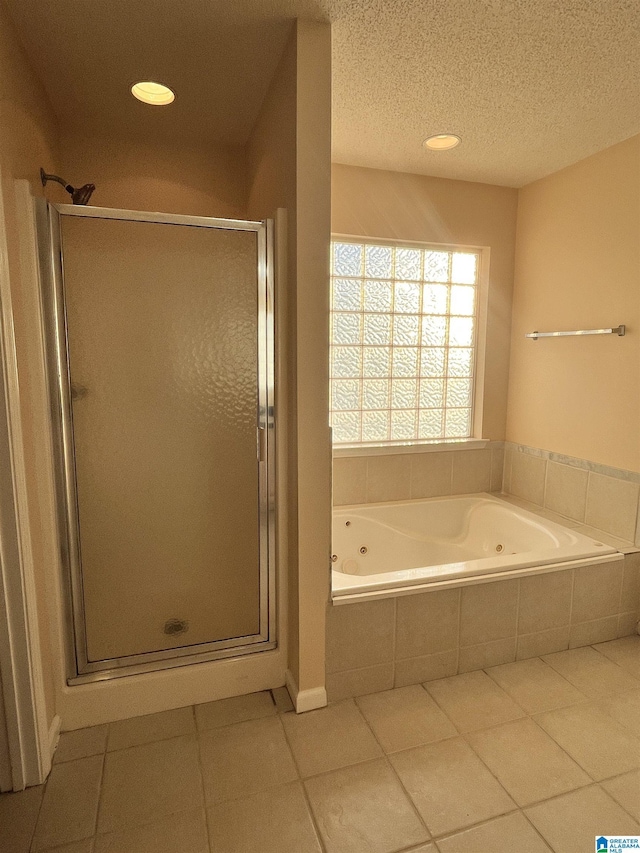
x=159 y=335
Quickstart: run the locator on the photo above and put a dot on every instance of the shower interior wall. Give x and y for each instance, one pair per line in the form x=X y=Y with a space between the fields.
x=208 y=180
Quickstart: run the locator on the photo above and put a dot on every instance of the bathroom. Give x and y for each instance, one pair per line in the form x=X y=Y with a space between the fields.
x=354 y=695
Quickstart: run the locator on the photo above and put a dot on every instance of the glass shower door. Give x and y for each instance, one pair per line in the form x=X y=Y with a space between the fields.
x=166 y=424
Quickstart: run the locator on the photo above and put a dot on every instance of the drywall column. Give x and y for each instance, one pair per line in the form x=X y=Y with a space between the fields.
x=313 y=192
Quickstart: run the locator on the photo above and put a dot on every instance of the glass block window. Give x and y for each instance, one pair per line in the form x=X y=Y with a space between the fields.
x=403 y=337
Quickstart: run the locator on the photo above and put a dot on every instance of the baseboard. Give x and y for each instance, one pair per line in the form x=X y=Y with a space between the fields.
x=54 y=735
x=305 y=700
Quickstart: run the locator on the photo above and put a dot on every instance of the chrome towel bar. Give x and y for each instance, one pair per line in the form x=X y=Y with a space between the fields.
x=617 y=330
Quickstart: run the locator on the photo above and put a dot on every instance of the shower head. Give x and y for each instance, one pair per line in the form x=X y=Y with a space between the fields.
x=81 y=195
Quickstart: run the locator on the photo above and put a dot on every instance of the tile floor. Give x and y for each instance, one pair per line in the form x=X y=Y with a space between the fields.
x=528 y=757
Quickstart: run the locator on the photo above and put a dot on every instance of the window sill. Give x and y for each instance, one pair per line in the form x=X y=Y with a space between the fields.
x=390 y=449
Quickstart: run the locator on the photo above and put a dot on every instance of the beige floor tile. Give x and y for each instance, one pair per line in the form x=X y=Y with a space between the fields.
x=18 y=816
x=570 y=823
x=450 y=786
x=330 y=738
x=473 y=701
x=625 y=652
x=535 y=686
x=404 y=718
x=626 y=791
x=148 y=782
x=625 y=709
x=282 y=699
x=244 y=759
x=81 y=744
x=185 y=832
x=591 y=672
x=237 y=709
x=527 y=762
x=423 y=848
x=364 y=808
x=85 y=846
x=598 y=743
x=509 y=834
x=274 y=821
x=152 y=727
x=70 y=803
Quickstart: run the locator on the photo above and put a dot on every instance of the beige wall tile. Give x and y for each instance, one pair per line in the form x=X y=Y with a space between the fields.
x=358 y=682
x=427 y=623
x=274 y=821
x=627 y=624
x=349 y=480
x=535 y=686
x=487 y=654
x=232 y=754
x=506 y=471
x=542 y=643
x=431 y=474
x=566 y=490
x=330 y=738
x=426 y=668
x=527 y=477
x=630 y=599
x=70 y=803
x=597 y=631
x=236 y=709
x=404 y=718
x=571 y=822
x=360 y=635
x=545 y=602
x=388 y=478
x=596 y=592
x=497 y=468
x=488 y=611
x=449 y=785
x=527 y=762
x=364 y=808
x=512 y=832
x=471 y=471
x=612 y=505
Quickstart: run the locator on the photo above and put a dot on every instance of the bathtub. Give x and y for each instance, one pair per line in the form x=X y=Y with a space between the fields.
x=386 y=549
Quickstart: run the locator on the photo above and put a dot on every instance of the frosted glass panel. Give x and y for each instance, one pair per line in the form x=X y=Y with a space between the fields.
x=402 y=342
x=162 y=328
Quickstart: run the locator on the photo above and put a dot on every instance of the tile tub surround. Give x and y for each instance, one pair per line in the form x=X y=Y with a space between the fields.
x=579 y=490
x=429 y=474
x=524 y=757
x=419 y=637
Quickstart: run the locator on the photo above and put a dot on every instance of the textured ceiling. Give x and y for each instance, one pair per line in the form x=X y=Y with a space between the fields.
x=530 y=85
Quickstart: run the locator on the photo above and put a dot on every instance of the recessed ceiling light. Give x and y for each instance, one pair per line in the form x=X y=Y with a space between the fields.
x=152 y=93
x=442 y=141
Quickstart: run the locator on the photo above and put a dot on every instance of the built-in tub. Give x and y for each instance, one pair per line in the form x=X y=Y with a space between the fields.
x=411 y=546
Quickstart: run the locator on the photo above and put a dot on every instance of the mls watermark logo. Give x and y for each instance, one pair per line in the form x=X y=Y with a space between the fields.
x=617 y=843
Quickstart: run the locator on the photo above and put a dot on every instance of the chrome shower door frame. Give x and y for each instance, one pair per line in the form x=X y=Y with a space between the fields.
x=79 y=668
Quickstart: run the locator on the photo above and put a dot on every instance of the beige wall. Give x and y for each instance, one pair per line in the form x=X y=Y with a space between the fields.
x=578 y=267
x=200 y=181
x=289 y=167
x=28 y=141
x=395 y=205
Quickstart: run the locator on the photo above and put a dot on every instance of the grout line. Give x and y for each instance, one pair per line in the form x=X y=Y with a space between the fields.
x=305 y=794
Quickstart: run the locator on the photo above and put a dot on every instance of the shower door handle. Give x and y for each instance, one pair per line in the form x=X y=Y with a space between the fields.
x=262 y=443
